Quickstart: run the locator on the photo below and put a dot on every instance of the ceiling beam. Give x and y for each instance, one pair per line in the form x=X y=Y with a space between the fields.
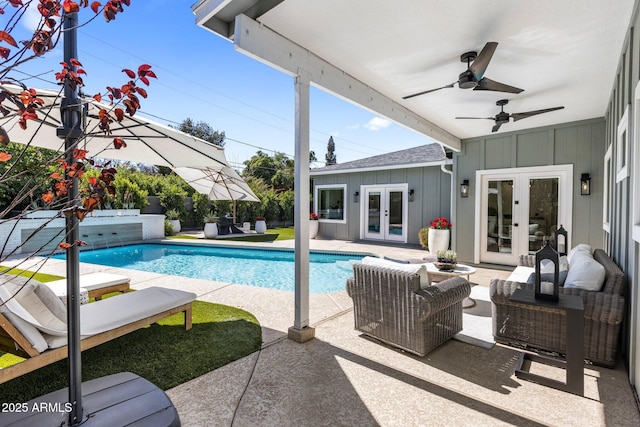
x=219 y=15
x=267 y=46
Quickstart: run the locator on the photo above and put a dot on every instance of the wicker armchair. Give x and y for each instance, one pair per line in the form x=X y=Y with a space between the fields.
x=390 y=306
x=545 y=329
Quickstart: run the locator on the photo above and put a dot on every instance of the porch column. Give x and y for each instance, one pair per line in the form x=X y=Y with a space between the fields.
x=300 y=331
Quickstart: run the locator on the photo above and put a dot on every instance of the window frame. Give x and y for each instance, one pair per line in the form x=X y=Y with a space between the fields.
x=635 y=182
x=622 y=147
x=316 y=199
x=606 y=190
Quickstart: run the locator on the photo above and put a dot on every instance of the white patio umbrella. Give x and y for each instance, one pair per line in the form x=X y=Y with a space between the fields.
x=218 y=183
x=146 y=141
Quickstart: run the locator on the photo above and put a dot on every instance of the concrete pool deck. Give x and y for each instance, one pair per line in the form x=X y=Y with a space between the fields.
x=342 y=378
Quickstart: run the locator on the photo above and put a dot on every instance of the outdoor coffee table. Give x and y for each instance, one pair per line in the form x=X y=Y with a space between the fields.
x=459 y=270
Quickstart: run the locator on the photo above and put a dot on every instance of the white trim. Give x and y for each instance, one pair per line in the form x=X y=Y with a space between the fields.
x=635 y=183
x=606 y=190
x=343 y=187
x=565 y=198
x=622 y=152
x=312 y=172
x=258 y=41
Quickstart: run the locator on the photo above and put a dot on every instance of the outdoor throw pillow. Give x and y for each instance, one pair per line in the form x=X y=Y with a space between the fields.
x=581 y=248
x=585 y=273
x=419 y=269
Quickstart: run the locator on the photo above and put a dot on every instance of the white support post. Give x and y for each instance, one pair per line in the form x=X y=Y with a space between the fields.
x=300 y=331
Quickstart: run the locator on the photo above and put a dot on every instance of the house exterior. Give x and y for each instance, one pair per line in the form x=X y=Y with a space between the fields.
x=588 y=160
x=383 y=198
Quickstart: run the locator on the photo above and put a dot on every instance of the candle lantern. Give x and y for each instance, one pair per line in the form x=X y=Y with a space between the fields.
x=561 y=247
x=547 y=287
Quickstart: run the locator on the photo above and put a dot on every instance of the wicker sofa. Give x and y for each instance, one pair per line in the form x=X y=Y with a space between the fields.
x=390 y=305
x=544 y=329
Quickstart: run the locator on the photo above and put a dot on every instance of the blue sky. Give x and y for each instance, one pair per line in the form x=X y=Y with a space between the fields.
x=202 y=77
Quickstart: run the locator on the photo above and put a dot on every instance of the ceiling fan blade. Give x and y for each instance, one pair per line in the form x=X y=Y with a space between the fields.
x=480 y=118
x=496 y=127
x=520 y=116
x=429 y=91
x=480 y=64
x=488 y=84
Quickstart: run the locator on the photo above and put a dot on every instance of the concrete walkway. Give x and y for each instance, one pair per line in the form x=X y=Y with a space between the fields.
x=341 y=378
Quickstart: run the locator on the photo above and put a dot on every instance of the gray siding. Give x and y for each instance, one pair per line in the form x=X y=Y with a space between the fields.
x=619 y=243
x=581 y=144
x=431 y=198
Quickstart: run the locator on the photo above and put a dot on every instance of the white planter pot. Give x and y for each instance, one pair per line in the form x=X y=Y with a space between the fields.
x=175 y=223
x=210 y=230
x=261 y=227
x=438 y=240
x=313 y=229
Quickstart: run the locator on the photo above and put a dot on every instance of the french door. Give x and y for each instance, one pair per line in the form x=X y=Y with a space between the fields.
x=384 y=214
x=519 y=210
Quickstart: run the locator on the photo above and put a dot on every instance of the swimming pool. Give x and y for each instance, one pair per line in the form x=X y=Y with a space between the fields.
x=267 y=268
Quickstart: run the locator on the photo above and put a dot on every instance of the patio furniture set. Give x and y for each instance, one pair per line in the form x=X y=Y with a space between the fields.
x=395 y=303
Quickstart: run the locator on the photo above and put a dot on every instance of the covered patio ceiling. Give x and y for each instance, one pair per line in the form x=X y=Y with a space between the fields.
x=562 y=53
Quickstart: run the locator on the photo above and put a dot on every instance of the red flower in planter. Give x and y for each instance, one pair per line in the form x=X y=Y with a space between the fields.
x=441 y=223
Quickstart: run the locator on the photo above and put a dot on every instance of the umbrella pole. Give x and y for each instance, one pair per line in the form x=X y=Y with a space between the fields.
x=70 y=131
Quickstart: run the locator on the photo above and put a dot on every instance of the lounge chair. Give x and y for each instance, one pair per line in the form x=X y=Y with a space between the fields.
x=33 y=323
x=92 y=285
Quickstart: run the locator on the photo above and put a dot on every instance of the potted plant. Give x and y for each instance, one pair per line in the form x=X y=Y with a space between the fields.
x=423 y=237
x=313 y=225
x=439 y=234
x=173 y=215
x=210 y=225
x=447 y=260
x=261 y=225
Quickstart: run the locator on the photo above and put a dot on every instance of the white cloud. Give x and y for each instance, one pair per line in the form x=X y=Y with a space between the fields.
x=32 y=17
x=377 y=123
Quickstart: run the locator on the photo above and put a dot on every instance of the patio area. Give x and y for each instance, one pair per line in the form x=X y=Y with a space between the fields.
x=342 y=378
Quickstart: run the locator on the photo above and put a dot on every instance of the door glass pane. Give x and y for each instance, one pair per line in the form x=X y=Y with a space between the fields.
x=373 y=224
x=499 y=216
x=395 y=213
x=543 y=212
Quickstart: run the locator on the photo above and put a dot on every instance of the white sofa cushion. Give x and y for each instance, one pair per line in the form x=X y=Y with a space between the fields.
x=420 y=269
x=585 y=273
x=581 y=248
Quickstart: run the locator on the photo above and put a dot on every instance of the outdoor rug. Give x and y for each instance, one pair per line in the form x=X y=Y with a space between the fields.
x=476 y=320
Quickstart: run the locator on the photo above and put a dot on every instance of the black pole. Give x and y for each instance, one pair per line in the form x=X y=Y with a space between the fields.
x=71 y=115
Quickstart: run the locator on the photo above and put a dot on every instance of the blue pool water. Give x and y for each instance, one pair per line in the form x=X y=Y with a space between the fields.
x=272 y=269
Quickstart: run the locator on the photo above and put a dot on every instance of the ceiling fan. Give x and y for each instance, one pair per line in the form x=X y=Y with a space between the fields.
x=473 y=78
x=502 y=117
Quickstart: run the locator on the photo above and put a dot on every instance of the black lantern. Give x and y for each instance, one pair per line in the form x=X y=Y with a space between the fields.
x=464 y=188
x=561 y=248
x=411 y=193
x=547 y=287
x=585 y=184
x=356 y=197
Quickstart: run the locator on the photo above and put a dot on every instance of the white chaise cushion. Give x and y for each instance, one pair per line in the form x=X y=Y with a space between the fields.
x=91 y=281
x=419 y=269
x=37 y=305
x=27 y=330
x=112 y=313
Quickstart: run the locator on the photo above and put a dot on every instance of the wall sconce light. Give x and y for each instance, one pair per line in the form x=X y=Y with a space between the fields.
x=585 y=184
x=411 y=193
x=356 y=197
x=464 y=189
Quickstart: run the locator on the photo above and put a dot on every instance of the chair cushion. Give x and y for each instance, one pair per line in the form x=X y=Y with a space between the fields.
x=581 y=248
x=419 y=269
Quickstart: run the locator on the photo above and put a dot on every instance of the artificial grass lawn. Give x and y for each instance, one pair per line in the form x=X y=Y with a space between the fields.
x=40 y=277
x=163 y=353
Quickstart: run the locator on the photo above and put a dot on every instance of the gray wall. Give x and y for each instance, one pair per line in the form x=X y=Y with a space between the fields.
x=581 y=144
x=431 y=199
x=619 y=243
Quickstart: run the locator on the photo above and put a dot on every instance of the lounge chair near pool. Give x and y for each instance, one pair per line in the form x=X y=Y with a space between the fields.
x=92 y=285
x=33 y=323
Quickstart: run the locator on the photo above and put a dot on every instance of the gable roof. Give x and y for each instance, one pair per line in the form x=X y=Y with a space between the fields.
x=425 y=155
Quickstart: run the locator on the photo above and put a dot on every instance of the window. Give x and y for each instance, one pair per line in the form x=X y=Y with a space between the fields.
x=330 y=203
x=622 y=147
x=635 y=185
x=606 y=199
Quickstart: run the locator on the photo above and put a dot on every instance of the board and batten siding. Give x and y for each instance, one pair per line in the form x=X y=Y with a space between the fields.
x=431 y=186
x=581 y=144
